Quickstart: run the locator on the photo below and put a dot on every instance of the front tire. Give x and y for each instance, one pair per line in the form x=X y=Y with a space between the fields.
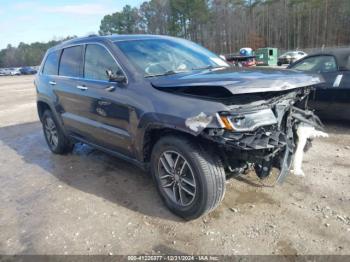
x=54 y=136
x=189 y=179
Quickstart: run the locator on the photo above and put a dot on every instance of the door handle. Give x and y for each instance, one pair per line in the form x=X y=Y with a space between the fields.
x=83 y=88
x=110 y=88
x=52 y=83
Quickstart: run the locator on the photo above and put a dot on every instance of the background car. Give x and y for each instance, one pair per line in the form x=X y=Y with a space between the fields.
x=6 y=71
x=290 y=57
x=27 y=70
x=245 y=61
x=332 y=98
x=15 y=72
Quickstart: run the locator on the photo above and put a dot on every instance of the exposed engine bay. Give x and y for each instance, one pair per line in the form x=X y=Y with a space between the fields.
x=257 y=125
x=262 y=131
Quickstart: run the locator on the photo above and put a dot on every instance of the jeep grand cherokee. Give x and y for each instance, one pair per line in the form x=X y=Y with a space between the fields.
x=174 y=108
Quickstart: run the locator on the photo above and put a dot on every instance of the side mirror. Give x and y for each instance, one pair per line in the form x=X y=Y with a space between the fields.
x=118 y=77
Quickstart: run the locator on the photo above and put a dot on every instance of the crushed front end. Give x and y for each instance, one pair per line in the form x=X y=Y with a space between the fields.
x=260 y=130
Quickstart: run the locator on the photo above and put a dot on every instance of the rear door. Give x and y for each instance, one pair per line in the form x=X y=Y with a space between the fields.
x=107 y=110
x=72 y=103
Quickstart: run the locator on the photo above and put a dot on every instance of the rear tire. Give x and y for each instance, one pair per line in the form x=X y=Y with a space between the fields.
x=55 y=138
x=190 y=180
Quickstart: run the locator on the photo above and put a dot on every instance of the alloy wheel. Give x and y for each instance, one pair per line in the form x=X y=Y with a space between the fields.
x=51 y=132
x=177 y=178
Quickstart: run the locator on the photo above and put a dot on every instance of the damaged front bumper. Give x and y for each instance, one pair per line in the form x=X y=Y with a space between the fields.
x=269 y=143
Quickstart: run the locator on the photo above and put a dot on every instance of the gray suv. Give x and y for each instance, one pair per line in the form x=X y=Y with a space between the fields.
x=174 y=109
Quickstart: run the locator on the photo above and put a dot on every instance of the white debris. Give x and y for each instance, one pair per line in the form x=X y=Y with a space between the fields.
x=234 y=210
x=199 y=121
x=341 y=218
x=304 y=132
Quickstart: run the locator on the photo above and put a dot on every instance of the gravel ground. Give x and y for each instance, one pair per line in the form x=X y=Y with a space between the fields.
x=91 y=203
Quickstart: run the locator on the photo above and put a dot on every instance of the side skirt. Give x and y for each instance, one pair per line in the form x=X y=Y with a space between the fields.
x=142 y=165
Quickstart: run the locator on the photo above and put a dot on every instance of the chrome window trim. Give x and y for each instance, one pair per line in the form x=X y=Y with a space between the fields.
x=82 y=78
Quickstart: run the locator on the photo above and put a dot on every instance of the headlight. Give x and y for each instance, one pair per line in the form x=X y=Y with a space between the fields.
x=248 y=121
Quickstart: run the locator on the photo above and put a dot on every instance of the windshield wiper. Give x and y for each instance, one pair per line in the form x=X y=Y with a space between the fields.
x=170 y=72
x=207 y=67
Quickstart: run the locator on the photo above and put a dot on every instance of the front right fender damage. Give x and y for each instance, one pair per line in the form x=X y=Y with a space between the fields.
x=268 y=144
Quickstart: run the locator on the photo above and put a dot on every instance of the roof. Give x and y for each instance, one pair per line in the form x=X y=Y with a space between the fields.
x=342 y=55
x=113 y=38
x=116 y=37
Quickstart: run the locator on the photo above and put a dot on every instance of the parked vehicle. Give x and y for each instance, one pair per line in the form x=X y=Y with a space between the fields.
x=14 y=71
x=241 y=61
x=174 y=108
x=27 y=70
x=6 y=71
x=2 y=72
x=290 y=57
x=331 y=99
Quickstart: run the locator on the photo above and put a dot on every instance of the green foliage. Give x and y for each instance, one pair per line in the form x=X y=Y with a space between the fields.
x=25 y=54
x=124 y=22
x=223 y=26
x=227 y=25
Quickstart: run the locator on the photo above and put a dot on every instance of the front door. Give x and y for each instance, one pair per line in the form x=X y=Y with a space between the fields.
x=106 y=112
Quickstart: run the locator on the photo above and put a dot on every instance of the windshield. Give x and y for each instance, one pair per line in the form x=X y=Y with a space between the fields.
x=156 y=57
x=290 y=54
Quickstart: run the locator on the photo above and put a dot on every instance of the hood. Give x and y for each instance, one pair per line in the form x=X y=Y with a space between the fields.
x=238 y=81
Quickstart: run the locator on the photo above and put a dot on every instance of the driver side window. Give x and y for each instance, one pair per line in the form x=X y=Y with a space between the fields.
x=97 y=61
x=317 y=64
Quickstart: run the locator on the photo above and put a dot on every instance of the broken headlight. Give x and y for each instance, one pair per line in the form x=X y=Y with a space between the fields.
x=248 y=121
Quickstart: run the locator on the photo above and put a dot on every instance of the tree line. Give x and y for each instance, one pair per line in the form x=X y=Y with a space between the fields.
x=26 y=54
x=223 y=26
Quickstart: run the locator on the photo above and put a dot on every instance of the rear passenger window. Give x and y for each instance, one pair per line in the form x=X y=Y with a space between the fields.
x=97 y=61
x=71 y=60
x=51 y=63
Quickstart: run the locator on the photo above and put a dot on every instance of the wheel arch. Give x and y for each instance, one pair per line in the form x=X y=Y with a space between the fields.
x=154 y=133
x=41 y=107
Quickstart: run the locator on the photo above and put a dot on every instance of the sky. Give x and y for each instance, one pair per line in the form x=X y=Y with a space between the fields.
x=38 y=20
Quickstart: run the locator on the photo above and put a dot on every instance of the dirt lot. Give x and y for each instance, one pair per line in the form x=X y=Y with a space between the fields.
x=91 y=203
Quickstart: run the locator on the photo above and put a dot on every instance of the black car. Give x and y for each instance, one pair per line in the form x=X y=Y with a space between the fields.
x=174 y=108
x=239 y=60
x=27 y=71
x=331 y=99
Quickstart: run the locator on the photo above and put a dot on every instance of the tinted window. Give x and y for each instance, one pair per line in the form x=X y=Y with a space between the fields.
x=317 y=64
x=97 y=61
x=70 y=61
x=51 y=64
